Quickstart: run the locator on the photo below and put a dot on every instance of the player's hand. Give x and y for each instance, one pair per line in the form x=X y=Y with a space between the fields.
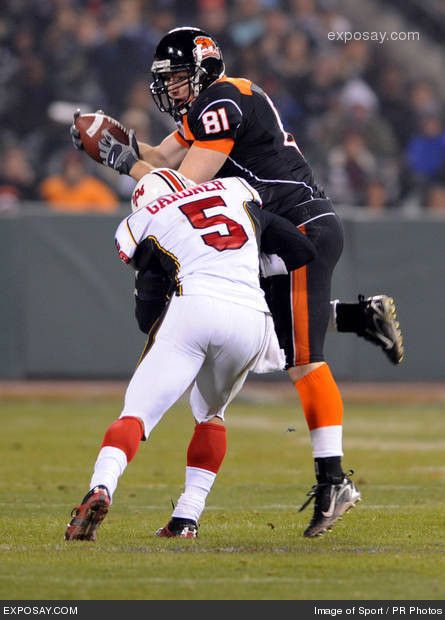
x=114 y=154
x=271 y=265
x=75 y=134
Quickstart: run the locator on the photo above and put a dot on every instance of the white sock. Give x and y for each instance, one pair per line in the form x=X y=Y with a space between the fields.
x=327 y=441
x=198 y=483
x=110 y=465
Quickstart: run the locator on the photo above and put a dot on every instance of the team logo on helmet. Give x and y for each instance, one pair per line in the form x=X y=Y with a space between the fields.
x=205 y=48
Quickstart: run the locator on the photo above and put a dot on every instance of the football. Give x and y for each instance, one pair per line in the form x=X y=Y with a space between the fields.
x=91 y=126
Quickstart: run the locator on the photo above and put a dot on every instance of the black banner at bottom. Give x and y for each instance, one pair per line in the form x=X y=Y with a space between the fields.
x=83 y=610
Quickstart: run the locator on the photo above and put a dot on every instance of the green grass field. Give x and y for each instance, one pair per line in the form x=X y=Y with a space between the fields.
x=251 y=546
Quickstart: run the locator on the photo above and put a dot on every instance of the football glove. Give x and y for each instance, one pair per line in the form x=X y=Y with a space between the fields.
x=74 y=132
x=114 y=154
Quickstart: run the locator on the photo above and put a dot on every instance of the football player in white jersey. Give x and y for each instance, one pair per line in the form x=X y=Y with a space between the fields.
x=215 y=328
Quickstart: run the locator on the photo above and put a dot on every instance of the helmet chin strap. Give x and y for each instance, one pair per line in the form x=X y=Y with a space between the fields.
x=195 y=82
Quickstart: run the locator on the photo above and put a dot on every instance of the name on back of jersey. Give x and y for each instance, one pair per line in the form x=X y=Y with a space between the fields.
x=155 y=206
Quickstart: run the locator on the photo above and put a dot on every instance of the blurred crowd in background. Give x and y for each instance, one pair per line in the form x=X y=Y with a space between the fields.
x=374 y=137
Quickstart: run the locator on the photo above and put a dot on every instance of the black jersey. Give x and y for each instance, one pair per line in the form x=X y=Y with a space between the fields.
x=236 y=117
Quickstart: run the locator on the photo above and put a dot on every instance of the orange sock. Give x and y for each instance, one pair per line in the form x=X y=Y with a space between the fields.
x=320 y=398
x=125 y=434
x=207 y=447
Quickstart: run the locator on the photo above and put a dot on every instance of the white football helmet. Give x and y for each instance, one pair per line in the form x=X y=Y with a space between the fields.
x=157 y=183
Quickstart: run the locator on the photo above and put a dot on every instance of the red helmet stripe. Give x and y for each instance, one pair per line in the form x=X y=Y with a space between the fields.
x=173 y=179
x=162 y=176
x=179 y=179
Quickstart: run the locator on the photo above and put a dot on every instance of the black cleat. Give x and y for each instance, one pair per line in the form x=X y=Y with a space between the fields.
x=331 y=502
x=87 y=517
x=179 y=528
x=378 y=324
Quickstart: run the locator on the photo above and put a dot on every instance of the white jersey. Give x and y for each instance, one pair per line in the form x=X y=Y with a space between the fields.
x=205 y=234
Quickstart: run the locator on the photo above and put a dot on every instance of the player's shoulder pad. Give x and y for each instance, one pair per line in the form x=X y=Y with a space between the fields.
x=251 y=195
x=216 y=113
x=125 y=242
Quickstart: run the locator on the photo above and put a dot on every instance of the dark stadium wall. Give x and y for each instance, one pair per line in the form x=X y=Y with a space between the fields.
x=67 y=301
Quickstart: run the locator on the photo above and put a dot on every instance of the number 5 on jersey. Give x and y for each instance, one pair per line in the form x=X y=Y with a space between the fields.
x=236 y=236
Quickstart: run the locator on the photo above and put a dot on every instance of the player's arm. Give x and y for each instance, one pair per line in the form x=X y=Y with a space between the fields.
x=202 y=164
x=152 y=284
x=144 y=158
x=168 y=154
x=279 y=236
x=152 y=287
x=212 y=127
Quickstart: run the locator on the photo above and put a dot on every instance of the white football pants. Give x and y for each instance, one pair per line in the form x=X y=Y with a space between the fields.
x=208 y=341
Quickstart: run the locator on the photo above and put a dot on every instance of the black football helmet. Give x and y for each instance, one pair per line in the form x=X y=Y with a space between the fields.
x=184 y=49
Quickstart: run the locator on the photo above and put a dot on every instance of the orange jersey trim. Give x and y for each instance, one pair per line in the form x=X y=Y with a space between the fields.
x=242 y=84
x=300 y=314
x=224 y=145
x=181 y=140
x=186 y=127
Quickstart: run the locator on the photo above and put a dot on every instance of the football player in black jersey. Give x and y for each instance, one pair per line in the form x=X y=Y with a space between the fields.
x=229 y=127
